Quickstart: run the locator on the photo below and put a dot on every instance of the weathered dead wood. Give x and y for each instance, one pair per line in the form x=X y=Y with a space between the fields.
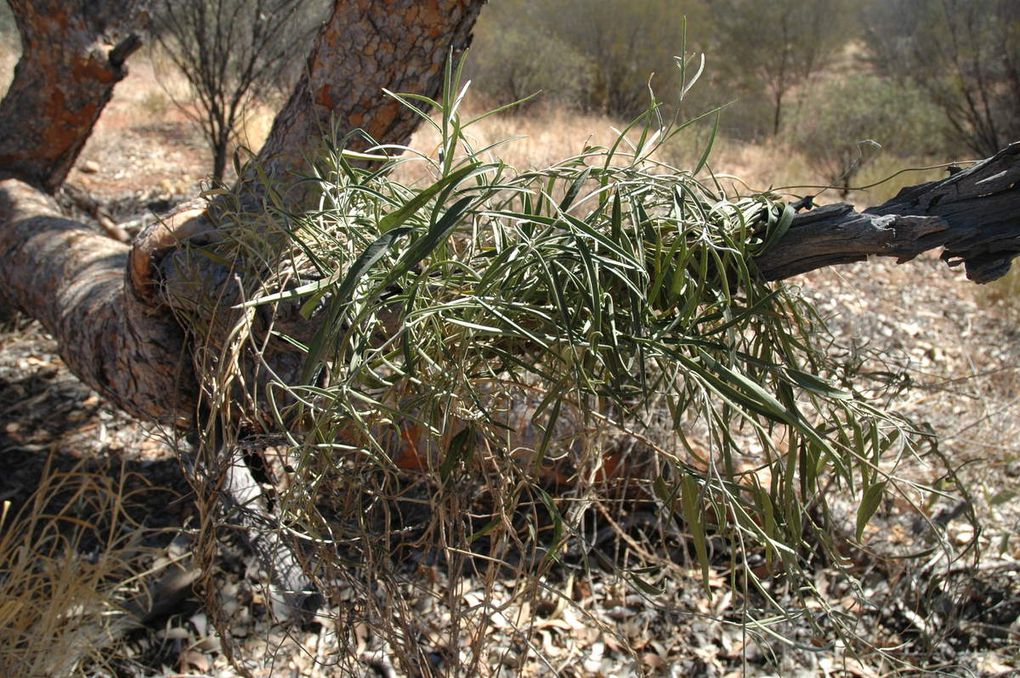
x=973 y=215
x=293 y=595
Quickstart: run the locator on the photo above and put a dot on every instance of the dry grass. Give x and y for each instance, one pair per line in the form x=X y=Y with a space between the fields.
x=70 y=560
x=547 y=134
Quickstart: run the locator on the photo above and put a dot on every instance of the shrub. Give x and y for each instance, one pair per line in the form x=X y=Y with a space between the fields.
x=543 y=352
x=512 y=62
x=845 y=123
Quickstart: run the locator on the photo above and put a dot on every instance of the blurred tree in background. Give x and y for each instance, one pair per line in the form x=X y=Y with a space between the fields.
x=519 y=56
x=775 y=48
x=767 y=60
x=7 y=27
x=845 y=123
x=965 y=54
x=233 y=52
x=628 y=41
x=596 y=55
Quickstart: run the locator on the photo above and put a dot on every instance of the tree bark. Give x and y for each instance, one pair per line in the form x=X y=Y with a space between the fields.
x=99 y=299
x=367 y=45
x=102 y=301
x=71 y=279
x=974 y=215
x=72 y=56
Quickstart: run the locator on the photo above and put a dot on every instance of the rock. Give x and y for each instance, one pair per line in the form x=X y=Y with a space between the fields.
x=89 y=167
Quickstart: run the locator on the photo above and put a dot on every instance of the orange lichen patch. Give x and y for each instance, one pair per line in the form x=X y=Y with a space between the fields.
x=324 y=98
x=383 y=119
x=432 y=18
x=407 y=457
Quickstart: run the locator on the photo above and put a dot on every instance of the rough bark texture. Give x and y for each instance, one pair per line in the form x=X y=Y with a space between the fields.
x=119 y=338
x=974 y=215
x=72 y=56
x=367 y=45
x=71 y=279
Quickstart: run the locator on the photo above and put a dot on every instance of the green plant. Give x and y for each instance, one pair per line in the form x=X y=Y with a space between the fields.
x=155 y=104
x=541 y=351
x=515 y=62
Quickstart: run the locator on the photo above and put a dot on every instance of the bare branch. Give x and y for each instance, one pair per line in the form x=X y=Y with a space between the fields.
x=974 y=215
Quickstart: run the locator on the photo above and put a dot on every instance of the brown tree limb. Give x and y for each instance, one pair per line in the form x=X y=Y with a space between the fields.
x=71 y=279
x=71 y=59
x=973 y=215
x=122 y=339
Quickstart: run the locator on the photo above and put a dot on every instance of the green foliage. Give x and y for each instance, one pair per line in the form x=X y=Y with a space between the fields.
x=964 y=54
x=510 y=328
x=515 y=59
x=772 y=49
x=846 y=123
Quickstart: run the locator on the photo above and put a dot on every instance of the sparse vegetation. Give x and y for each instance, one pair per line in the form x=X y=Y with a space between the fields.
x=552 y=390
x=72 y=564
x=964 y=54
x=232 y=53
x=844 y=125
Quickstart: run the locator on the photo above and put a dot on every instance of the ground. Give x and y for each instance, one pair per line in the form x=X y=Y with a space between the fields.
x=953 y=347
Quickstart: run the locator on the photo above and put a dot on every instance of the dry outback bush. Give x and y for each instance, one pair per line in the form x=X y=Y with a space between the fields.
x=457 y=418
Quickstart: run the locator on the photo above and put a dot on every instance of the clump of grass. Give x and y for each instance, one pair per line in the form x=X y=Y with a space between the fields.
x=545 y=350
x=69 y=561
x=155 y=104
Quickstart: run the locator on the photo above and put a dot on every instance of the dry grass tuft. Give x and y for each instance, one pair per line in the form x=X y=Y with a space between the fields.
x=70 y=560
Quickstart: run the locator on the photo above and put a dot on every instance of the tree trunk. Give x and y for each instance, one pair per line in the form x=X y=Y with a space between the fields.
x=71 y=280
x=97 y=297
x=367 y=45
x=220 y=149
x=71 y=59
